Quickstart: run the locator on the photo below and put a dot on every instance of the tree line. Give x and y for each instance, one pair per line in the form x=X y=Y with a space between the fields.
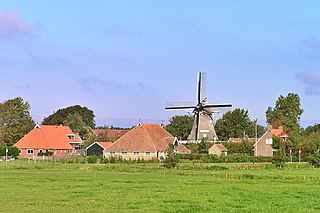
x=238 y=124
x=16 y=121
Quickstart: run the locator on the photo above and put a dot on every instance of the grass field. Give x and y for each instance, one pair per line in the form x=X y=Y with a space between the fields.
x=48 y=187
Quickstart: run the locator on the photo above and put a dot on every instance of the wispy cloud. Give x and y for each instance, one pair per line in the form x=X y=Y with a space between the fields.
x=92 y=82
x=11 y=23
x=312 y=80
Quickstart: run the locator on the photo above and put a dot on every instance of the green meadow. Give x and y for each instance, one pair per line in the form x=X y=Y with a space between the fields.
x=146 y=187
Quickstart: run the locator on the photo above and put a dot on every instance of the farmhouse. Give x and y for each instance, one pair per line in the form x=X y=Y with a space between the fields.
x=97 y=148
x=145 y=141
x=218 y=149
x=59 y=140
x=263 y=147
x=109 y=134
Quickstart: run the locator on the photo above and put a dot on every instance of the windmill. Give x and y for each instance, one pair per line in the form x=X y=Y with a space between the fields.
x=203 y=126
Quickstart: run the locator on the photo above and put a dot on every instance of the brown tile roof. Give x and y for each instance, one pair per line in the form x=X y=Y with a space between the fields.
x=143 y=138
x=48 y=137
x=183 y=149
x=221 y=147
x=105 y=144
x=241 y=140
x=279 y=133
x=111 y=133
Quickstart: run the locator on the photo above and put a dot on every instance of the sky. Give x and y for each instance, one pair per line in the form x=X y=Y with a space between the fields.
x=125 y=59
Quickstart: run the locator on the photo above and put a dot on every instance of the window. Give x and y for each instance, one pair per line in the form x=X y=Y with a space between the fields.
x=147 y=153
x=124 y=153
x=30 y=151
x=40 y=150
x=268 y=140
x=136 y=153
x=19 y=151
x=71 y=137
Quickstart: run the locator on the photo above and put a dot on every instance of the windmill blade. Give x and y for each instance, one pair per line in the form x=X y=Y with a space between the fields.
x=179 y=105
x=203 y=88
x=218 y=105
x=197 y=117
x=199 y=88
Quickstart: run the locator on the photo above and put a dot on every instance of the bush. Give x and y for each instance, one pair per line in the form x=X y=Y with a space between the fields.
x=171 y=160
x=12 y=151
x=314 y=160
x=48 y=153
x=93 y=159
x=279 y=158
x=233 y=158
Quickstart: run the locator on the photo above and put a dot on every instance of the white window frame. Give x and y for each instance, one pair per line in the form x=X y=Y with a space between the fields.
x=124 y=153
x=269 y=141
x=148 y=153
x=136 y=153
x=30 y=151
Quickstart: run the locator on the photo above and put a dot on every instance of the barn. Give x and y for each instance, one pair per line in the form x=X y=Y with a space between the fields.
x=97 y=148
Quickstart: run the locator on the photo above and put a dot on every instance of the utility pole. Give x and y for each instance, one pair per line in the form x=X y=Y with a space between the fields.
x=256 y=133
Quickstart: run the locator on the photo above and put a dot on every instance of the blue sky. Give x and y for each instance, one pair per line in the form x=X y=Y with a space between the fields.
x=126 y=59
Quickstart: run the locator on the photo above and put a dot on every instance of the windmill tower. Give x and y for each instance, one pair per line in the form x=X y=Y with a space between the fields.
x=203 y=125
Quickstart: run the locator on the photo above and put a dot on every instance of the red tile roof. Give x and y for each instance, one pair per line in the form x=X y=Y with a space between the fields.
x=48 y=137
x=105 y=144
x=221 y=147
x=143 y=138
x=183 y=149
x=111 y=133
x=279 y=133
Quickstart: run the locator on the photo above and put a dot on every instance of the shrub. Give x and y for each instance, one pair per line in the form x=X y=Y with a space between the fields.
x=279 y=158
x=171 y=160
x=12 y=151
x=314 y=160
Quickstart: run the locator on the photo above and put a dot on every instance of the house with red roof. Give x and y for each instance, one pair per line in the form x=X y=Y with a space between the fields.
x=60 y=140
x=97 y=148
x=263 y=147
x=145 y=141
x=110 y=134
x=218 y=149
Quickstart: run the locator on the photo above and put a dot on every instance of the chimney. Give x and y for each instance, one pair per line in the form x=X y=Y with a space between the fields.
x=269 y=128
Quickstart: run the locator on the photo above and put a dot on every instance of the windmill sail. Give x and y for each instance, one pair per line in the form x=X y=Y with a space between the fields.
x=203 y=126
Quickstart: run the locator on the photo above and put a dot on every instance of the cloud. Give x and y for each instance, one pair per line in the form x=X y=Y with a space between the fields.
x=92 y=82
x=11 y=24
x=312 y=80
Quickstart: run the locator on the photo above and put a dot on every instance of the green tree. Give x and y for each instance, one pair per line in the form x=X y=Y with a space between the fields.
x=236 y=124
x=180 y=126
x=310 y=144
x=239 y=148
x=286 y=113
x=77 y=125
x=15 y=120
x=279 y=158
x=311 y=129
x=60 y=116
x=171 y=160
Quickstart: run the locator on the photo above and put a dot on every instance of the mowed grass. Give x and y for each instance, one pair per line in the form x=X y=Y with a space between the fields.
x=47 y=187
